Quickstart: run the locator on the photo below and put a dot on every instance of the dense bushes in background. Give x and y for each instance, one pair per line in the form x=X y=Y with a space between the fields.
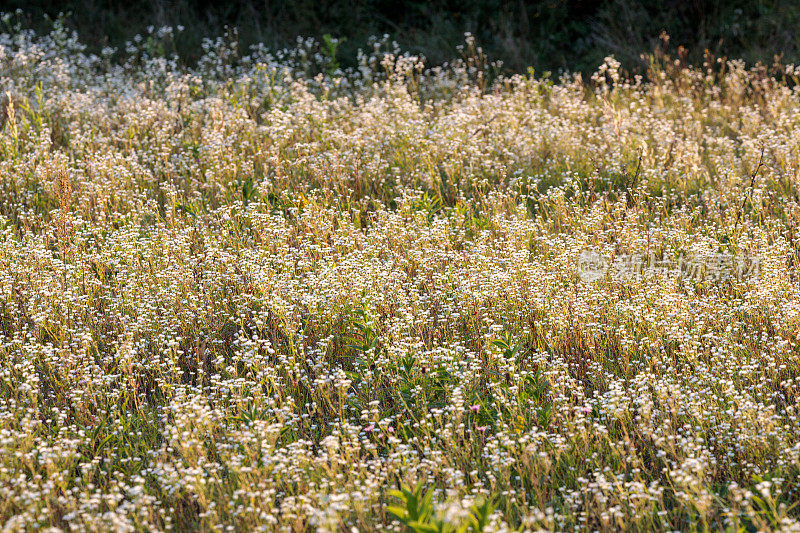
x=548 y=35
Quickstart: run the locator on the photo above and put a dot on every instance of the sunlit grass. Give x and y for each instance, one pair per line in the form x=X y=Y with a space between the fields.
x=266 y=293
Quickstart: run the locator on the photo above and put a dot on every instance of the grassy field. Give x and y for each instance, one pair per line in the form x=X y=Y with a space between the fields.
x=265 y=294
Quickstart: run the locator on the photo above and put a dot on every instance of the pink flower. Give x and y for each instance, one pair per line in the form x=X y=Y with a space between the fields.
x=482 y=429
x=390 y=429
x=369 y=428
x=586 y=410
x=475 y=408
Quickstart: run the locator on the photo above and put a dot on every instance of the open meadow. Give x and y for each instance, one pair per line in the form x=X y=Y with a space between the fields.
x=266 y=293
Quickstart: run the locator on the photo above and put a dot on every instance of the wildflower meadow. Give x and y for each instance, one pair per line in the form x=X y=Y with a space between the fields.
x=264 y=292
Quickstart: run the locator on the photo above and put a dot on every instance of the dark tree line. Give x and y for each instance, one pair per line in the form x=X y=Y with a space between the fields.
x=549 y=35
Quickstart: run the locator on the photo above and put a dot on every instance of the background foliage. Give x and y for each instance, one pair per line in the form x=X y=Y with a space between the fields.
x=548 y=35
